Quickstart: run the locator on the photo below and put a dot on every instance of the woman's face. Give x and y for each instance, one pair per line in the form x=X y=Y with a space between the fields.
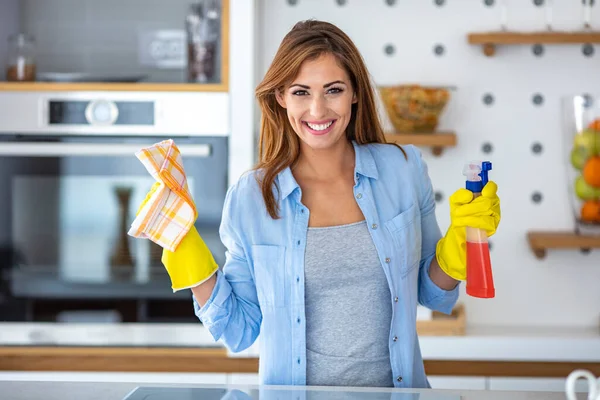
x=319 y=103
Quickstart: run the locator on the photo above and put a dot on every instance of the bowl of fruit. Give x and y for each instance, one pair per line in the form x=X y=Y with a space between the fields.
x=582 y=128
x=414 y=108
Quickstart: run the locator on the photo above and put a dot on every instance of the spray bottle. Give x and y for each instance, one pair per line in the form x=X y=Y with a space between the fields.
x=480 y=282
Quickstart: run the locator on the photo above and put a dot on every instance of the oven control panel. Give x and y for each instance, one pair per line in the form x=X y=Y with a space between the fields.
x=100 y=112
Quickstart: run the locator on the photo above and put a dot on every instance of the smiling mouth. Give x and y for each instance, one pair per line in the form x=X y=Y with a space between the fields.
x=321 y=128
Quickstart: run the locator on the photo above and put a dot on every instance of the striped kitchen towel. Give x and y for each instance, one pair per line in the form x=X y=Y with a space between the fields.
x=170 y=212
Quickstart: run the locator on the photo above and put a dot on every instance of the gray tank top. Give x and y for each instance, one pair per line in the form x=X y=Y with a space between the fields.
x=348 y=309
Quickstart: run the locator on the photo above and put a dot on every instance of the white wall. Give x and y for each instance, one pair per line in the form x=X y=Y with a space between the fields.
x=563 y=289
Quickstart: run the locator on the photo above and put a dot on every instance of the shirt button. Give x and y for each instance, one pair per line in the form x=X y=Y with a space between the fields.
x=302 y=210
x=359 y=196
x=374 y=226
x=395 y=339
x=298 y=243
x=399 y=379
x=298 y=320
x=298 y=360
x=395 y=299
x=297 y=279
x=387 y=260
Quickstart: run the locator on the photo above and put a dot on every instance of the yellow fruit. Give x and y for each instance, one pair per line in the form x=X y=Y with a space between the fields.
x=585 y=191
x=589 y=140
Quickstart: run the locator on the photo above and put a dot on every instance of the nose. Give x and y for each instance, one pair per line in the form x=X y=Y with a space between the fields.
x=318 y=107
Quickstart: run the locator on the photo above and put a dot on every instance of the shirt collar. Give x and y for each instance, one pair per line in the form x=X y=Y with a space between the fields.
x=364 y=164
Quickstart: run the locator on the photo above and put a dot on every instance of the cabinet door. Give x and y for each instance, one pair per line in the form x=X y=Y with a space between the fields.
x=458 y=382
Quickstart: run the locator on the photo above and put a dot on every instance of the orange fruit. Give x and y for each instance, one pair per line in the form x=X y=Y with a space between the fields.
x=595 y=124
x=591 y=171
x=590 y=211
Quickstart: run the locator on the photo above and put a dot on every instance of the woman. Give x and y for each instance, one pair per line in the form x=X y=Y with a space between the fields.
x=332 y=239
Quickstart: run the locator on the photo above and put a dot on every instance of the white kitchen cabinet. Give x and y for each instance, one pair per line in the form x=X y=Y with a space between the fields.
x=458 y=382
x=533 y=384
x=242 y=379
x=140 y=377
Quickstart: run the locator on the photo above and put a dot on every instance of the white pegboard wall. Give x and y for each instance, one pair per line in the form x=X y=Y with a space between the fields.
x=508 y=105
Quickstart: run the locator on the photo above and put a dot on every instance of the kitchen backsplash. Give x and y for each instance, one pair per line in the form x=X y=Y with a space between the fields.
x=9 y=24
x=102 y=36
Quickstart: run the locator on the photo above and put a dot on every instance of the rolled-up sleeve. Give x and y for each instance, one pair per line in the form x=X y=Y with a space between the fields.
x=232 y=313
x=430 y=295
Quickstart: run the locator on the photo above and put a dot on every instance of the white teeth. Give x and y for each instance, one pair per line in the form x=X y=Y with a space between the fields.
x=320 y=127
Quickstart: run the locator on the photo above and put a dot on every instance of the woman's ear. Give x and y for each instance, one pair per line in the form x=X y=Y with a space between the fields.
x=280 y=98
x=354 y=98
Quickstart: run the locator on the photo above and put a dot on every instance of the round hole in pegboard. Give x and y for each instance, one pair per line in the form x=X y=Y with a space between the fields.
x=537 y=148
x=536 y=197
x=389 y=49
x=439 y=50
x=537 y=50
x=439 y=3
x=537 y=99
x=488 y=99
x=341 y=2
x=390 y=2
x=292 y=2
x=487 y=148
x=588 y=100
x=587 y=50
x=439 y=196
x=538 y=2
x=488 y=3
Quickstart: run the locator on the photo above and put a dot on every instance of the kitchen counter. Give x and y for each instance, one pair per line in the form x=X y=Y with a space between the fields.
x=512 y=352
x=118 y=391
x=499 y=344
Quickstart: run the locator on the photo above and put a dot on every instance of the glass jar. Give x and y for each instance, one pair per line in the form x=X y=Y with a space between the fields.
x=21 y=66
x=202 y=28
x=581 y=125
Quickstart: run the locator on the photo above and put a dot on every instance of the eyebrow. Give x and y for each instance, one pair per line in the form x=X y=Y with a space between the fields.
x=325 y=85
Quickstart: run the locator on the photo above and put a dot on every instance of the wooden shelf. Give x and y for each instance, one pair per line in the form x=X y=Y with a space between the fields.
x=222 y=86
x=489 y=40
x=111 y=87
x=436 y=140
x=540 y=242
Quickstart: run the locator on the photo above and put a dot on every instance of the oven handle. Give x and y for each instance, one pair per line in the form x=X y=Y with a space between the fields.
x=41 y=149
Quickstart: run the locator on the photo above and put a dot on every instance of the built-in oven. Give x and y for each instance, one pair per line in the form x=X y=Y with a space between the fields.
x=70 y=186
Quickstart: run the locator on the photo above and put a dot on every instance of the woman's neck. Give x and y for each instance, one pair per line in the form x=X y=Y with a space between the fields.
x=327 y=164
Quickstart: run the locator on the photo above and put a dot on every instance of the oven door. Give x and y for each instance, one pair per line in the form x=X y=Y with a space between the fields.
x=68 y=202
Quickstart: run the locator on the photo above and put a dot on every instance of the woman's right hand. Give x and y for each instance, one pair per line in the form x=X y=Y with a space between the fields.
x=191 y=263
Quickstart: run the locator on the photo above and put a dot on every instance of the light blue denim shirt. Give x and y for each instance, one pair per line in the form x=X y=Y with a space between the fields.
x=261 y=286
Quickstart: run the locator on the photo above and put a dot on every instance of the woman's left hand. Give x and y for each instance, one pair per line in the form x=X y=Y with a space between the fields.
x=482 y=212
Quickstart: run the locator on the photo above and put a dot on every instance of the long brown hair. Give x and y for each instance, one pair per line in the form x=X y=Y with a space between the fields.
x=279 y=145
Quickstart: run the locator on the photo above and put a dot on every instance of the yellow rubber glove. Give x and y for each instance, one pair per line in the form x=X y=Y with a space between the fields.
x=191 y=263
x=483 y=212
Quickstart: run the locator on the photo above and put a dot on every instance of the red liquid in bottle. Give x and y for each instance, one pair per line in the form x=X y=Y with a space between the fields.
x=480 y=282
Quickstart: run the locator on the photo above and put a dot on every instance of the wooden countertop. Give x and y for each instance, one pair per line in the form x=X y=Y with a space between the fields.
x=190 y=348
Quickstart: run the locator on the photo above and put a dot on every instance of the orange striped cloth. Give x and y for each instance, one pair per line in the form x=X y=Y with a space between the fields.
x=170 y=212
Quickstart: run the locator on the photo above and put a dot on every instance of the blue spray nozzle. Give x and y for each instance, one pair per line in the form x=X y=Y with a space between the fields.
x=485 y=167
x=477 y=175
